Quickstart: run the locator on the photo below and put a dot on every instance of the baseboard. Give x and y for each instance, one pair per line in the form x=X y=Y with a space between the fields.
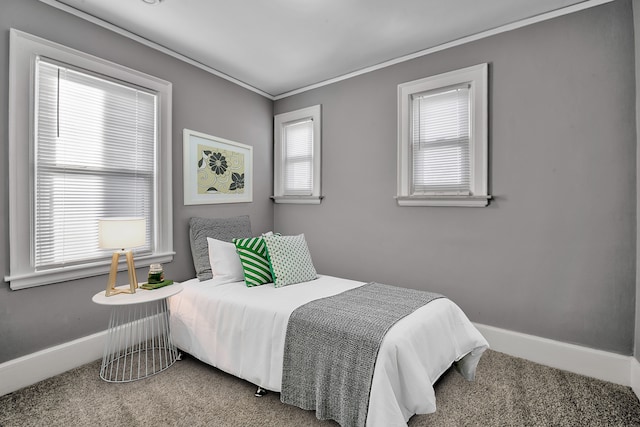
x=26 y=370
x=635 y=376
x=599 y=364
x=616 y=368
x=38 y=366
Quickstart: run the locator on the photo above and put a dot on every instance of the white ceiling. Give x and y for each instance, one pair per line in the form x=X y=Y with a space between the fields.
x=278 y=46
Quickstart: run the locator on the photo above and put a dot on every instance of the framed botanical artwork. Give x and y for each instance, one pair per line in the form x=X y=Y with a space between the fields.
x=216 y=170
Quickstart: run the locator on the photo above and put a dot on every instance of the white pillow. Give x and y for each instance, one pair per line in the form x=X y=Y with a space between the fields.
x=224 y=260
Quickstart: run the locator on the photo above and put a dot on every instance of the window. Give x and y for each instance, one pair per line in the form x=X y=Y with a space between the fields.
x=87 y=141
x=297 y=156
x=442 y=140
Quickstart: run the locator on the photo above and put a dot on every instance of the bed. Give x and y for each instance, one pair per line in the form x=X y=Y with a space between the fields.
x=242 y=330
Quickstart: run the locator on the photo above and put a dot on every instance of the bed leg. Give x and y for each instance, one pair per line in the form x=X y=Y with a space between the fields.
x=260 y=392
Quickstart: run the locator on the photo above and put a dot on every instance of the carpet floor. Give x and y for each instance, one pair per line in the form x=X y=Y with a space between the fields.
x=508 y=391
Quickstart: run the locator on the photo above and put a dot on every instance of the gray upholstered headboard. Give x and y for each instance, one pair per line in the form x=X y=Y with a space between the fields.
x=224 y=229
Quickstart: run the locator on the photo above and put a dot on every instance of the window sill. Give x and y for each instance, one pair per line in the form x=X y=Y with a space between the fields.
x=37 y=278
x=298 y=200
x=454 y=201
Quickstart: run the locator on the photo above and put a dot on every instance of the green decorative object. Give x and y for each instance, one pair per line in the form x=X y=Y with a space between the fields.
x=156 y=274
x=151 y=286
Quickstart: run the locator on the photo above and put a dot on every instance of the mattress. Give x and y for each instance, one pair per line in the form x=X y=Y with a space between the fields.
x=241 y=330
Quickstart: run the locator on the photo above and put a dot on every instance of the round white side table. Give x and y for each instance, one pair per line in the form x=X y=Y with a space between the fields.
x=138 y=342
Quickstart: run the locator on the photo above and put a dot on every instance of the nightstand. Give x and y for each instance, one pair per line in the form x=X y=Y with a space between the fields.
x=138 y=342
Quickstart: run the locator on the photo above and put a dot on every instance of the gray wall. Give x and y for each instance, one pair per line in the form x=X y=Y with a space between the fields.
x=636 y=27
x=554 y=254
x=37 y=318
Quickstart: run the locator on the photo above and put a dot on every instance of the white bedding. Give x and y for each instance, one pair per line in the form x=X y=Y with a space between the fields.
x=241 y=330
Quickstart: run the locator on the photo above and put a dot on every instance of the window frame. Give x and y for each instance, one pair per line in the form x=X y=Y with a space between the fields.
x=280 y=122
x=24 y=48
x=477 y=78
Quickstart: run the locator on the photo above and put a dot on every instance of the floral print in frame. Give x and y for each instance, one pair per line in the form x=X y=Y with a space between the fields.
x=220 y=171
x=216 y=170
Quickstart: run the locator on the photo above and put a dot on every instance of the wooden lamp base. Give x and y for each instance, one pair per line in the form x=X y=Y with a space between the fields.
x=133 y=281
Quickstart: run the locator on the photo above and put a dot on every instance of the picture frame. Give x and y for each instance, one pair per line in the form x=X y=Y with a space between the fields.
x=216 y=170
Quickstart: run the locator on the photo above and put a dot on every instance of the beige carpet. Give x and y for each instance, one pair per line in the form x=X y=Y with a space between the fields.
x=507 y=392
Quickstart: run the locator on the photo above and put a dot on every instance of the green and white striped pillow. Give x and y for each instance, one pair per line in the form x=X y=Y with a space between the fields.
x=253 y=257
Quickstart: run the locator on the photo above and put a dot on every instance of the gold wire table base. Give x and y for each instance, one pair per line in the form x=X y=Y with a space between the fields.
x=138 y=342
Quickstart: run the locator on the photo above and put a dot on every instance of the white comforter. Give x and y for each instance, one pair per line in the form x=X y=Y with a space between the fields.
x=241 y=331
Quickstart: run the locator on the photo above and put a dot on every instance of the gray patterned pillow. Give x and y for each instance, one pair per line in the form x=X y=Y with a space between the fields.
x=225 y=229
x=289 y=259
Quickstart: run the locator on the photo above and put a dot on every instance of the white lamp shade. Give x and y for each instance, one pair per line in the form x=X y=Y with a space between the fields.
x=121 y=233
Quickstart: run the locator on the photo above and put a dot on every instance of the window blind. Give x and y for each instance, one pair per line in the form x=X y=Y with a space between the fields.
x=298 y=158
x=95 y=156
x=440 y=141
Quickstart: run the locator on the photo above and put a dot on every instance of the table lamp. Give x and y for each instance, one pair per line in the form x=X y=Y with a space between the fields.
x=122 y=234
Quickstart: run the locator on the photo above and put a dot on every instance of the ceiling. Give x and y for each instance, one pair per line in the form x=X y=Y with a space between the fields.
x=280 y=46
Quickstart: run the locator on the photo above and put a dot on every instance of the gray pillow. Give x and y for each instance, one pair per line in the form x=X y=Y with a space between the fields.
x=224 y=229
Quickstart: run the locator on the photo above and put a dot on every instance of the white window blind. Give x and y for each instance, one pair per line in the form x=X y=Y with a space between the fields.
x=440 y=141
x=95 y=155
x=297 y=147
x=443 y=139
x=298 y=158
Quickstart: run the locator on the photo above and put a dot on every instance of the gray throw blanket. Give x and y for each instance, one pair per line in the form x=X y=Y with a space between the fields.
x=332 y=345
